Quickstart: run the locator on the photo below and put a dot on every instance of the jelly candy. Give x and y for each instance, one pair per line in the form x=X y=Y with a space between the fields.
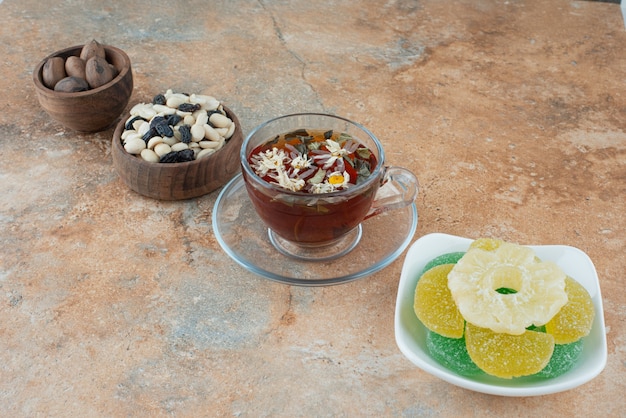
x=507 y=356
x=433 y=303
x=448 y=258
x=451 y=353
x=563 y=359
x=575 y=319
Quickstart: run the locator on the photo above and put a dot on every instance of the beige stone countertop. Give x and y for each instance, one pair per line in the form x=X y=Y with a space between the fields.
x=511 y=113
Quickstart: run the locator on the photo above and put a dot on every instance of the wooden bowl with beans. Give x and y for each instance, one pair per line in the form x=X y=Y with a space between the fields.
x=156 y=154
x=93 y=109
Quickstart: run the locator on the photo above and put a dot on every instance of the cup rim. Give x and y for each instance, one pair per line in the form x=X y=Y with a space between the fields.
x=243 y=158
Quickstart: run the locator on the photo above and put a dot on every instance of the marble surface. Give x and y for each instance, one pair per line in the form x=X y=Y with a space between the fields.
x=511 y=113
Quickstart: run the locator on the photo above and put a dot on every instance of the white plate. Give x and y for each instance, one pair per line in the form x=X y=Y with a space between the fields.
x=411 y=334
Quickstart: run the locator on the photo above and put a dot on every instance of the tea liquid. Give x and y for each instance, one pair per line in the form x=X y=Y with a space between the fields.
x=311 y=164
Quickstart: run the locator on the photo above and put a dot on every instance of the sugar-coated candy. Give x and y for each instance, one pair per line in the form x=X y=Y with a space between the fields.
x=434 y=306
x=451 y=353
x=506 y=355
x=575 y=319
x=563 y=359
x=448 y=258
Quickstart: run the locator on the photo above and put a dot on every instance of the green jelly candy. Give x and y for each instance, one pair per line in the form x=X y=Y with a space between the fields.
x=448 y=258
x=452 y=354
x=563 y=359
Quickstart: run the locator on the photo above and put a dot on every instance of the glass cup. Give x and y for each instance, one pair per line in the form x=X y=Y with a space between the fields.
x=323 y=226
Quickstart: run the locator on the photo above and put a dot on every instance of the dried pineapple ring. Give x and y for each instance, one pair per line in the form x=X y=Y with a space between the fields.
x=539 y=288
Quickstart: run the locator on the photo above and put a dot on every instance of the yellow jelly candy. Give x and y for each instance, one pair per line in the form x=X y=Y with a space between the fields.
x=507 y=356
x=575 y=319
x=487 y=244
x=434 y=305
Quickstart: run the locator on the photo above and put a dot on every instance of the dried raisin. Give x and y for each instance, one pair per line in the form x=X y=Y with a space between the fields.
x=189 y=107
x=185 y=133
x=159 y=99
x=173 y=119
x=129 y=124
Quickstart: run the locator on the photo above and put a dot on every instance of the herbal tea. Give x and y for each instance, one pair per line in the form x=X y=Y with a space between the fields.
x=311 y=163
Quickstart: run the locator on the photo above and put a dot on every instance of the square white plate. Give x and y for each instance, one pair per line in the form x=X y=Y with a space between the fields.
x=411 y=334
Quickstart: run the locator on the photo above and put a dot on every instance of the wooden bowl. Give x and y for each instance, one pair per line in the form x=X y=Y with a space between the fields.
x=92 y=110
x=178 y=181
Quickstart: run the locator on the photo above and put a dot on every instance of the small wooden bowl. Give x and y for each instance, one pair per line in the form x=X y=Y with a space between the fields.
x=92 y=110
x=178 y=181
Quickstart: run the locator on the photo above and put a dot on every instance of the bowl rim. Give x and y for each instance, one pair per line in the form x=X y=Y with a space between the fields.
x=117 y=143
x=38 y=73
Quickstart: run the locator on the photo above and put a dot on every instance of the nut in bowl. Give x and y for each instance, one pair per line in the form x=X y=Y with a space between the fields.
x=84 y=109
x=177 y=147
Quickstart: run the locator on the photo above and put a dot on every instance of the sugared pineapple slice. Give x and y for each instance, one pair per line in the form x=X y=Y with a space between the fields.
x=575 y=319
x=434 y=305
x=507 y=356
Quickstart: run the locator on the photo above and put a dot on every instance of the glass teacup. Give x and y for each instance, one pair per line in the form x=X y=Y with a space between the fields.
x=324 y=224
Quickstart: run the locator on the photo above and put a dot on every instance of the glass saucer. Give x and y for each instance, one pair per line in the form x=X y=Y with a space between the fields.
x=244 y=237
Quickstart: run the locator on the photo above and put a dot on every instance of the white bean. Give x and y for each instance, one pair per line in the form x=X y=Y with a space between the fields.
x=149 y=155
x=204 y=153
x=154 y=141
x=164 y=110
x=126 y=134
x=220 y=121
x=176 y=100
x=162 y=149
x=147 y=112
x=202 y=118
x=135 y=146
x=197 y=132
x=222 y=131
x=179 y=146
x=209 y=144
x=143 y=128
x=210 y=133
x=170 y=140
x=189 y=120
x=231 y=131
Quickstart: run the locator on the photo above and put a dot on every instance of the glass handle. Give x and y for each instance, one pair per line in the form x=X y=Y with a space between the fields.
x=399 y=188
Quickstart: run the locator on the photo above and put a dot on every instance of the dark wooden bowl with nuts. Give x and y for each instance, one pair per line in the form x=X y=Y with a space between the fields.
x=96 y=93
x=182 y=147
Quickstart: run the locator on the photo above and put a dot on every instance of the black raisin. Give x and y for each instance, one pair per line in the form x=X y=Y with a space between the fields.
x=185 y=133
x=186 y=155
x=170 y=157
x=151 y=132
x=156 y=121
x=159 y=99
x=189 y=107
x=129 y=124
x=173 y=119
x=164 y=129
x=178 y=156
